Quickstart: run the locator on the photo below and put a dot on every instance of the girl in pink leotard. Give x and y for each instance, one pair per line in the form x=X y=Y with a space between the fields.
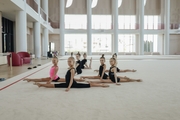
x=53 y=77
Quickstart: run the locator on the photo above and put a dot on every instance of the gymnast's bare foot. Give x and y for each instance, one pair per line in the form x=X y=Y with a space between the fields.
x=38 y=84
x=118 y=84
x=126 y=77
x=90 y=82
x=28 y=80
x=134 y=70
x=80 y=80
x=139 y=80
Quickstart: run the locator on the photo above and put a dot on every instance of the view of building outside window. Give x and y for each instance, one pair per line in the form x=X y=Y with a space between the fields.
x=150 y=43
x=126 y=43
x=75 y=42
x=101 y=42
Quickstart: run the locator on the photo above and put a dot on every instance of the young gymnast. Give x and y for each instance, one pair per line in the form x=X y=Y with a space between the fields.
x=118 y=70
x=78 y=64
x=84 y=62
x=70 y=82
x=102 y=69
x=52 y=73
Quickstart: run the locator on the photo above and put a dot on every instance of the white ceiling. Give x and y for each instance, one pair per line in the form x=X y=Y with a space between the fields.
x=9 y=9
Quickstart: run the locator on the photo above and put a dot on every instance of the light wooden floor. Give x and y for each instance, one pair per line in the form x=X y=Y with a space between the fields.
x=6 y=73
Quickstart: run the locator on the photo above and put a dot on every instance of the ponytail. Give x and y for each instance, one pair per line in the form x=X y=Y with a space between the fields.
x=102 y=57
x=78 y=53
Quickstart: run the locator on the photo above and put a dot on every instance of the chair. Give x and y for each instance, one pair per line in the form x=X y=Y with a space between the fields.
x=16 y=59
x=49 y=54
x=25 y=56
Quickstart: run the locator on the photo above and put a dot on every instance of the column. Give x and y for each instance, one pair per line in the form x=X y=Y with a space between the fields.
x=161 y=24
x=115 y=25
x=137 y=27
x=141 y=21
x=21 y=31
x=45 y=41
x=37 y=34
x=0 y=32
x=45 y=8
x=89 y=27
x=37 y=39
x=45 y=30
x=167 y=23
x=62 y=4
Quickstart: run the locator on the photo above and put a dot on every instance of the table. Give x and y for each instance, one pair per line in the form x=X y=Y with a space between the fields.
x=4 y=56
x=32 y=56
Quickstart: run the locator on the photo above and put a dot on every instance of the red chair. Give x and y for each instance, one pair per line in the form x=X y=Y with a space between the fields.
x=25 y=56
x=16 y=59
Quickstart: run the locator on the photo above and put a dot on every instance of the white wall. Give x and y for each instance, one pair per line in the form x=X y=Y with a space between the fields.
x=30 y=42
x=174 y=44
x=55 y=39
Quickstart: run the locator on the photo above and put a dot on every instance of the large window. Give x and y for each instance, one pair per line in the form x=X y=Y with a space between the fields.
x=126 y=43
x=101 y=22
x=101 y=43
x=127 y=21
x=75 y=42
x=151 y=22
x=150 y=43
x=75 y=22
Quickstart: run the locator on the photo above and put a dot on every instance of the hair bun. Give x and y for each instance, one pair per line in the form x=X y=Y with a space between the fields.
x=78 y=53
x=102 y=55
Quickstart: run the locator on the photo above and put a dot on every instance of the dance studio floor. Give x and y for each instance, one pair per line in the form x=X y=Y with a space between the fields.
x=156 y=98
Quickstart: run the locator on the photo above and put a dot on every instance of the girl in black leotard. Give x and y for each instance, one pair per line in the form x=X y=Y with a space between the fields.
x=78 y=63
x=84 y=62
x=102 y=68
x=118 y=70
x=70 y=82
x=113 y=78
